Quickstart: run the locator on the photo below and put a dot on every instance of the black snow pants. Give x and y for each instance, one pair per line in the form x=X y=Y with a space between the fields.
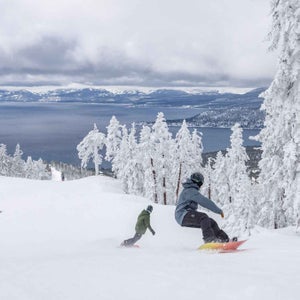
x=210 y=228
x=133 y=240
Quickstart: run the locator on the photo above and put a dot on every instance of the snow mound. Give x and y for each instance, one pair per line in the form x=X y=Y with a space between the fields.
x=60 y=240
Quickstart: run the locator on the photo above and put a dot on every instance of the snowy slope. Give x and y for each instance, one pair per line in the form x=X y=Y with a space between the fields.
x=59 y=240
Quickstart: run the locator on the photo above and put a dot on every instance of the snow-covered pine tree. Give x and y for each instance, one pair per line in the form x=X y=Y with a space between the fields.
x=29 y=168
x=208 y=171
x=5 y=161
x=119 y=162
x=113 y=138
x=280 y=138
x=36 y=169
x=240 y=202
x=146 y=154
x=220 y=190
x=40 y=170
x=197 y=149
x=181 y=156
x=162 y=160
x=187 y=155
x=16 y=167
x=90 y=147
x=133 y=167
x=18 y=164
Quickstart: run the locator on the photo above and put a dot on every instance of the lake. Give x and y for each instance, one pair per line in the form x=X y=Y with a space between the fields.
x=52 y=131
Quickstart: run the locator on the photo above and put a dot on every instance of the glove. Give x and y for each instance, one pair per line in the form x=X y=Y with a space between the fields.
x=153 y=232
x=222 y=215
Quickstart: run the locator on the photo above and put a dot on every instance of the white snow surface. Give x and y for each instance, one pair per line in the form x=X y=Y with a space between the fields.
x=60 y=240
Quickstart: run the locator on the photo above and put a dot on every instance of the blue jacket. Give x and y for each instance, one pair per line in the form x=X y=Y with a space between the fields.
x=189 y=200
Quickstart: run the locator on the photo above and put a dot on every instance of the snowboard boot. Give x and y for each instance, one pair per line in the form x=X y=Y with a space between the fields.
x=234 y=239
x=213 y=240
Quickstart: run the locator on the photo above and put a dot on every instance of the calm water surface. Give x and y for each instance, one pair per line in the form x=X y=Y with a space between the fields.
x=53 y=130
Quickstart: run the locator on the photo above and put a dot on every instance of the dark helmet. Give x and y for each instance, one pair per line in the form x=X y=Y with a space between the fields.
x=197 y=178
x=149 y=208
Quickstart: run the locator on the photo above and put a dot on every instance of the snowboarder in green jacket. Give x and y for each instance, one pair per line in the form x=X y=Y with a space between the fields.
x=143 y=222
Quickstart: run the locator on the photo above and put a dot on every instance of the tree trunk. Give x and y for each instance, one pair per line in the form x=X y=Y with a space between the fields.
x=165 y=192
x=178 y=181
x=154 y=180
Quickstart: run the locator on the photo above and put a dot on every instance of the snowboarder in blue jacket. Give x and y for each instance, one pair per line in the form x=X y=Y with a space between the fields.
x=186 y=213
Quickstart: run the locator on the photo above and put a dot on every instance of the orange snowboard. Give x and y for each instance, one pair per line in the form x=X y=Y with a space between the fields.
x=230 y=246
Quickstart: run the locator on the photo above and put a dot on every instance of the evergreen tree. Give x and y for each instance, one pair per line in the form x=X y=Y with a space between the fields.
x=146 y=154
x=29 y=168
x=36 y=169
x=208 y=171
x=220 y=189
x=181 y=156
x=18 y=164
x=162 y=139
x=5 y=161
x=16 y=167
x=187 y=157
x=40 y=170
x=133 y=169
x=240 y=204
x=113 y=138
x=90 y=147
x=119 y=162
x=138 y=158
x=280 y=138
x=197 y=150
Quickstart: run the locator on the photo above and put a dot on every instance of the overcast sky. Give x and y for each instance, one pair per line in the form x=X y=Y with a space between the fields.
x=136 y=42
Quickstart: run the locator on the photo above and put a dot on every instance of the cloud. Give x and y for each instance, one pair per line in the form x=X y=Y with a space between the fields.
x=151 y=43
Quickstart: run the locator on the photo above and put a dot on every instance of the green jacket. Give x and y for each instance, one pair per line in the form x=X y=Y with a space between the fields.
x=143 y=222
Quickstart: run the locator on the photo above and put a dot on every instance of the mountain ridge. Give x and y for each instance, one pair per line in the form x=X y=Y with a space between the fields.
x=220 y=109
x=161 y=96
